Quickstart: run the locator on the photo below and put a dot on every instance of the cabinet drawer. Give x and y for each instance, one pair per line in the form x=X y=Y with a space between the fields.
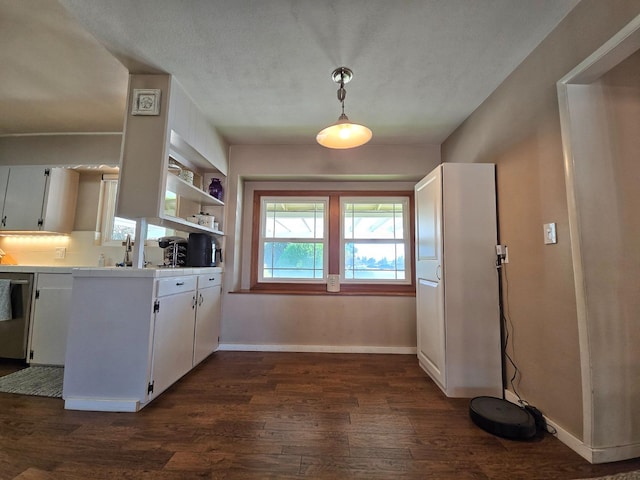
x=209 y=280
x=170 y=286
x=54 y=280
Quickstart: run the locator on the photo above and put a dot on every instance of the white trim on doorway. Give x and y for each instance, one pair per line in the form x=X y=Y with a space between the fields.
x=618 y=48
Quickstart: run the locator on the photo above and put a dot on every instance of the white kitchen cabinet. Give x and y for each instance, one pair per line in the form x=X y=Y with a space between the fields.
x=4 y=179
x=131 y=335
x=207 y=321
x=39 y=199
x=173 y=331
x=458 y=316
x=50 y=318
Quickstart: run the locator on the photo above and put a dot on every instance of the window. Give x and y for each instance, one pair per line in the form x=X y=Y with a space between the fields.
x=114 y=230
x=373 y=242
x=293 y=239
x=299 y=238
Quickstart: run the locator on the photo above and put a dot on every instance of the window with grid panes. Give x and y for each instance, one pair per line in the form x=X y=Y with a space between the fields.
x=365 y=238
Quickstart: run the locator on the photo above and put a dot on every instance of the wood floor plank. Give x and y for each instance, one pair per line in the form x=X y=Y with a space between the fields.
x=256 y=415
x=384 y=468
x=310 y=421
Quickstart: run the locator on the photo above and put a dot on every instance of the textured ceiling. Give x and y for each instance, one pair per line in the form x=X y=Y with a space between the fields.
x=260 y=70
x=54 y=76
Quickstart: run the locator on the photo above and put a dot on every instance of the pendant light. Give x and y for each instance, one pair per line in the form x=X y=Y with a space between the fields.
x=343 y=133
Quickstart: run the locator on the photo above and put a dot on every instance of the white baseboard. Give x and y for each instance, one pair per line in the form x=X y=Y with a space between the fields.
x=561 y=434
x=101 y=405
x=236 y=347
x=591 y=454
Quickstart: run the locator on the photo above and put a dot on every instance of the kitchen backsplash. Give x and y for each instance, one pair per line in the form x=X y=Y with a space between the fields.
x=77 y=249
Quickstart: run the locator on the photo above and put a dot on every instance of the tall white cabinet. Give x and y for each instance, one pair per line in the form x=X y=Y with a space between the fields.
x=458 y=316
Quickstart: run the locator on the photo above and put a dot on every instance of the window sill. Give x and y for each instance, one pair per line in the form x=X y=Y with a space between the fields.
x=350 y=293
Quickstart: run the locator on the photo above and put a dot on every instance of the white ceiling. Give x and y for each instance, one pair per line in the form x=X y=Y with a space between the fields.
x=260 y=69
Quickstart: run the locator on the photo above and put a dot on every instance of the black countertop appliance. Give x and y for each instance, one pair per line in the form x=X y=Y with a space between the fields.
x=200 y=251
x=175 y=251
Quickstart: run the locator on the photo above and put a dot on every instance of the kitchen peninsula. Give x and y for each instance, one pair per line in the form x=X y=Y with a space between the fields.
x=134 y=332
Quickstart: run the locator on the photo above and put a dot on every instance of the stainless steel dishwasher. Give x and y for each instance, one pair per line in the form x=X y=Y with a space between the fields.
x=14 y=332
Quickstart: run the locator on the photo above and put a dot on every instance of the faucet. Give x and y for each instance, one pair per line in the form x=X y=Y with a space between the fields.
x=127 y=262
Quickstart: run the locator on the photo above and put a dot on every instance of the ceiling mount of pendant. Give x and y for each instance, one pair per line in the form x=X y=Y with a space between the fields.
x=342 y=75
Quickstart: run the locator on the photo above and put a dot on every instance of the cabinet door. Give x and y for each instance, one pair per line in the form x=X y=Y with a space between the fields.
x=207 y=323
x=172 y=355
x=4 y=178
x=24 y=198
x=429 y=277
x=51 y=312
x=431 y=329
x=428 y=198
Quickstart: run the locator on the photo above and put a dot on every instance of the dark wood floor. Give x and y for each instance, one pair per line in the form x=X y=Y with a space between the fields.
x=281 y=416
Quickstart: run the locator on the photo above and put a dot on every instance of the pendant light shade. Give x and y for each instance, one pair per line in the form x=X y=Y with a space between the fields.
x=343 y=133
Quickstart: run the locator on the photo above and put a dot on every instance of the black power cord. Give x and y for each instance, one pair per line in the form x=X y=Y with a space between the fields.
x=507 y=327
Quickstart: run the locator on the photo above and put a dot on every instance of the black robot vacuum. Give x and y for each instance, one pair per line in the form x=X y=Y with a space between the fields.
x=502 y=418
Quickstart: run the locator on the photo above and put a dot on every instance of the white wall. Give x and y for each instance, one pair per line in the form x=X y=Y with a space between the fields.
x=62 y=149
x=518 y=129
x=313 y=322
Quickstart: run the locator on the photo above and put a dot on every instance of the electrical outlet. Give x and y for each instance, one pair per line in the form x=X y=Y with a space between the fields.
x=61 y=252
x=503 y=253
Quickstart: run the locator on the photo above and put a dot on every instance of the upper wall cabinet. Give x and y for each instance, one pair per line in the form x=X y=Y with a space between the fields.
x=172 y=127
x=38 y=199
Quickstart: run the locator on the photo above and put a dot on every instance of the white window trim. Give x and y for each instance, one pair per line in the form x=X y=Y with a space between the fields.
x=325 y=239
x=106 y=213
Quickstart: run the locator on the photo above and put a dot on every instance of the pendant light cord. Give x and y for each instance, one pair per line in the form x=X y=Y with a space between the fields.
x=342 y=93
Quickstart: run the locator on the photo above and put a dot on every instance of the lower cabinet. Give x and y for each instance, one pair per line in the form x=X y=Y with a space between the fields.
x=132 y=335
x=173 y=327
x=50 y=318
x=207 y=327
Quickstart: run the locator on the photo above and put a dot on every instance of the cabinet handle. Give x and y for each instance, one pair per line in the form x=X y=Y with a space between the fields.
x=179 y=284
x=200 y=300
x=212 y=279
x=193 y=302
x=4 y=221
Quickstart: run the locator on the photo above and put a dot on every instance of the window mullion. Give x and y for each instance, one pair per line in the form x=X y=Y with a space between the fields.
x=335 y=243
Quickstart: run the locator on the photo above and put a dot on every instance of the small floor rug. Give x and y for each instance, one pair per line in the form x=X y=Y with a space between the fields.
x=40 y=381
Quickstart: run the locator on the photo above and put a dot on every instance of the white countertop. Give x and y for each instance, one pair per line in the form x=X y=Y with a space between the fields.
x=35 y=269
x=142 y=272
x=110 y=271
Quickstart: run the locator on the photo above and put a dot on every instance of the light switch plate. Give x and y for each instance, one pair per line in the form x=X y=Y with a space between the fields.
x=550 y=233
x=61 y=252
